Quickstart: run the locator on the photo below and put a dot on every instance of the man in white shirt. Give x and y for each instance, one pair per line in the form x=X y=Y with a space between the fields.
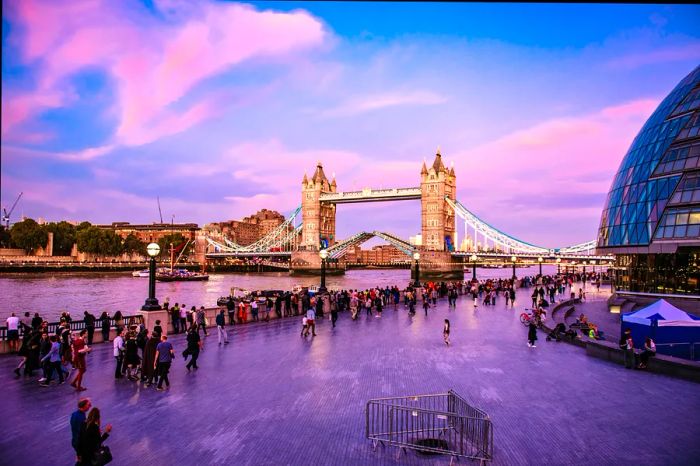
x=13 y=332
x=311 y=320
x=118 y=345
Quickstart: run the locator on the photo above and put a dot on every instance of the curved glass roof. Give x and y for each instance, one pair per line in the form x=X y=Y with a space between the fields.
x=666 y=150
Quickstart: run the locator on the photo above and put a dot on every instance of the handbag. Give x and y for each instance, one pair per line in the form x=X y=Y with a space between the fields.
x=102 y=456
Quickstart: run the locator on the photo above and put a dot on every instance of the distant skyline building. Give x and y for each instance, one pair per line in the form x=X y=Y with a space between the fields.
x=651 y=219
x=249 y=229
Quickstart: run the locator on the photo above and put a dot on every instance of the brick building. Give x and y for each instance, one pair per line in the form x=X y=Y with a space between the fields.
x=250 y=229
x=153 y=232
x=381 y=254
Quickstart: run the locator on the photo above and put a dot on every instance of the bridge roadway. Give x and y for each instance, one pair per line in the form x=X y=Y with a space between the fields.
x=273 y=398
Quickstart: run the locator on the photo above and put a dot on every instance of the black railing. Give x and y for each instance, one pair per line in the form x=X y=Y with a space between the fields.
x=78 y=325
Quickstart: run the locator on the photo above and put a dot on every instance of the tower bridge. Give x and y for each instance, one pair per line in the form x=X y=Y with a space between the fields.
x=311 y=227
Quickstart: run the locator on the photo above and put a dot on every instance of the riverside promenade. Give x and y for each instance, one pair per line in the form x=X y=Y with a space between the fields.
x=274 y=398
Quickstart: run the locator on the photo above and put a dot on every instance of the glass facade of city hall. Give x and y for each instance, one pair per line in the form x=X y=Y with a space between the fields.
x=651 y=219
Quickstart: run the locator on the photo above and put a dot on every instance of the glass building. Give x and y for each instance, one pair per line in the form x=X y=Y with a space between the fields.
x=651 y=218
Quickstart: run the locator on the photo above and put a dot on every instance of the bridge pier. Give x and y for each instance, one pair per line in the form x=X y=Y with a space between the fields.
x=439 y=265
x=309 y=263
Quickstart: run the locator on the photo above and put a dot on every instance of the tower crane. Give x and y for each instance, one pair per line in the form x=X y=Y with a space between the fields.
x=6 y=214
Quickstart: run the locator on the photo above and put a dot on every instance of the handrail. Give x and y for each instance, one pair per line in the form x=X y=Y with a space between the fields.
x=80 y=325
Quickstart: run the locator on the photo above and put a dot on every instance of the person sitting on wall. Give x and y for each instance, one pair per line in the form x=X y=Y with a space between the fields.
x=649 y=351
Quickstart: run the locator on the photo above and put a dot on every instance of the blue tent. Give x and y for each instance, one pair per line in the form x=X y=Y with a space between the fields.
x=664 y=323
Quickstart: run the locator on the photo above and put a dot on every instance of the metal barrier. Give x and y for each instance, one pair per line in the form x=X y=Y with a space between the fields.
x=77 y=325
x=442 y=424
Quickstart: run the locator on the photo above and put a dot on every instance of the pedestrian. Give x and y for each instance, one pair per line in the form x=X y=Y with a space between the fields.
x=77 y=421
x=220 y=329
x=426 y=304
x=118 y=321
x=163 y=359
x=131 y=356
x=80 y=351
x=148 y=369
x=183 y=318
x=627 y=346
x=254 y=309
x=156 y=328
x=531 y=334
x=118 y=346
x=105 y=326
x=44 y=349
x=90 y=444
x=175 y=318
x=310 y=321
x=334 y=313
x=512 y=296
x=13 y=332
x=446 y=332
x=202 y=320
x=89 y=320
x=304 y=328
x=194 y=344
x=53 y=361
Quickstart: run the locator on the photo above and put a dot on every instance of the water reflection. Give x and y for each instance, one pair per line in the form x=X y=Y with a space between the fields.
x=50 y=294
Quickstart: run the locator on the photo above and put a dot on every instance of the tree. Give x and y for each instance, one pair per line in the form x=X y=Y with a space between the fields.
x=5 y=240
x=28 y=235
x=177 y=240
x=63 y=237
x=133 y=245
x=94 y=240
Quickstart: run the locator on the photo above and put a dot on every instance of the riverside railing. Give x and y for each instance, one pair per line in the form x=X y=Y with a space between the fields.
x=78 y=325
x=441 y=424
x=679 y=354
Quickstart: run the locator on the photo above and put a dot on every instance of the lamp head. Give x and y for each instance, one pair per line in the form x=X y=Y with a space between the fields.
x=540 y=259
x=416 y=255
x=323 y=253
x=153 y=249
x=558 y=260
x=513 y=258
x=473 y=258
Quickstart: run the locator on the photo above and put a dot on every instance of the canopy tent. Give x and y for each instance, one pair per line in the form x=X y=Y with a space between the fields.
x=664 y=323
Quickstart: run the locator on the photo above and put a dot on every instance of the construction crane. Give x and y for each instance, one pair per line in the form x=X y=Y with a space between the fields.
x=6 y=214
x=159 y=211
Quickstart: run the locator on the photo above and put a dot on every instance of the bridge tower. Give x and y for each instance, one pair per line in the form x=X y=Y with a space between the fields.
x=318 y=218
x=437 y=218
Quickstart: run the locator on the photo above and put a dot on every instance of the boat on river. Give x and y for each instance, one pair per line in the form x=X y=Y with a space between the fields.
x=144 y=273
x=181 y=275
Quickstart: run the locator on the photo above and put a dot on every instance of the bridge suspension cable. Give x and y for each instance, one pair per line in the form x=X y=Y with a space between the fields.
x=511 y=243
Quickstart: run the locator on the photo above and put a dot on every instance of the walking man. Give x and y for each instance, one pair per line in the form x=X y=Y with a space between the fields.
x=201 y=321
x=194 y=344
x=310 y=321
x=77 y=420
x=164 y=357
x=221 y=330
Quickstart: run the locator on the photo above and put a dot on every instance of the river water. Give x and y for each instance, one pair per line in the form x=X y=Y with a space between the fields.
x=51 y=293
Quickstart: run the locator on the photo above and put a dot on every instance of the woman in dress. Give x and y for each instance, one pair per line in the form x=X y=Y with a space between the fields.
x=80 y=350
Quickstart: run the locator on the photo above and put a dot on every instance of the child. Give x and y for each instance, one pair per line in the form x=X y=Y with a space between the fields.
x=305 y=327
x=446 y=332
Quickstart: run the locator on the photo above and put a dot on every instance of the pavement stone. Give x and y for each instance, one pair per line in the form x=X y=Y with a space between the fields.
x=274 y=398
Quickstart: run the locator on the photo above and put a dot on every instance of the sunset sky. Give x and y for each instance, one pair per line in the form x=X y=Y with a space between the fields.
x=219 y=108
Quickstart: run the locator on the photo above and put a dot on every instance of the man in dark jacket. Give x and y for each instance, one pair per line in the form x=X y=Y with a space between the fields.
x=89 y=320
x=220 y=329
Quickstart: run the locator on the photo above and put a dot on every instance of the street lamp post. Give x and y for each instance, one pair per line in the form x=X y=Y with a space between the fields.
x=324 y=256
x=513 y=259
x=152 y=302
x=558 y=265
x=584 y=274
x=416 y=282
x=473 y=260
x=540 y=259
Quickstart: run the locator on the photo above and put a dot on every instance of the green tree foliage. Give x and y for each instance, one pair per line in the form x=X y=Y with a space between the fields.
x=83 y=225
x=178 y=240
x=133 y=245
x=93 y=240
x=5 y=239
x=28 y=235
x=63 y=237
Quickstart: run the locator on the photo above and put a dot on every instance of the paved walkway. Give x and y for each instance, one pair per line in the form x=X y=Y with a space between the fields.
x=273 y=398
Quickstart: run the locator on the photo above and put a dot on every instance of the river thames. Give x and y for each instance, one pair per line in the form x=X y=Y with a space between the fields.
x=50 y=294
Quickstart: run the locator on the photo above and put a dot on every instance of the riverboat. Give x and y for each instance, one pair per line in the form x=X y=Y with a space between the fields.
x=181 y=275
x=144 y=273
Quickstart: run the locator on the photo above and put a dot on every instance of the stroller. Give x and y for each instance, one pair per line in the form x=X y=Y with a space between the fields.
x=557 y=332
